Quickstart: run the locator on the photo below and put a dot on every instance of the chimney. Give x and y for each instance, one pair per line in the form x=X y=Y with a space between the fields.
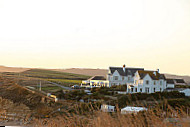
x=155 y=73
x=158 y=70
x=124 y=67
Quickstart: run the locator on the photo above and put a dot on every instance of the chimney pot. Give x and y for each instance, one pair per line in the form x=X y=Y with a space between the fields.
x=124 y=67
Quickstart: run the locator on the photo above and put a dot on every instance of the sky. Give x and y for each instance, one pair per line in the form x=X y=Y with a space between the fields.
x=96 y=34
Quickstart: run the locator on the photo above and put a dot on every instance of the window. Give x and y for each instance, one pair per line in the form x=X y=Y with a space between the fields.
x=129 y=78
x=147 y=82
x=131 y=89
x=160 y=82
x=115 y=77
x=154 y=82
x=154 y=89
x=136 y=82
x=160 y=89
x=140 y=89
x=135 y=89
x=123 y=78
x=147 y=90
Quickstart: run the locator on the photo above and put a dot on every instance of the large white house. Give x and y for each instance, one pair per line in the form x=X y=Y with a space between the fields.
x=137 y=80
x=147 y=82
x=121 y=75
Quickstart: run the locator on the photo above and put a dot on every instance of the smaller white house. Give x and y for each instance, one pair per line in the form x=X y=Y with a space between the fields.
x=170 y=83
x=107 y=108
x=147 y=82
x=134 y=110
x=180 y=82
x=96 y=81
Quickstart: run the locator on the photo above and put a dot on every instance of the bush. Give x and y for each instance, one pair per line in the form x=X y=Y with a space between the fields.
x=119 y=88
x=124 y=99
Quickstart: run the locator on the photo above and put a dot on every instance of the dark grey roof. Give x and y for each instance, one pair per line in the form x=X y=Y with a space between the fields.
x=170 y=81
x=97 y=78
x=128 y=71
x=179 y=80
x=173 y=81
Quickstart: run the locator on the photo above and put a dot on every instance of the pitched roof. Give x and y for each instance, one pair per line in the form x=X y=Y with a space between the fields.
x=179 y=80
x=97 y=78
x=173 y=81
x=128 y=71
x=153 y=74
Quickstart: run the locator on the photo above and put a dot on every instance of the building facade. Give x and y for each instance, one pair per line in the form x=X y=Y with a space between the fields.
x=96 y=81
x=121 y=75
x=147 y=82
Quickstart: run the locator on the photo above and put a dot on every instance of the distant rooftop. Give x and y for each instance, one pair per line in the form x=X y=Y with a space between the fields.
x=97 y=78
x=126 y=71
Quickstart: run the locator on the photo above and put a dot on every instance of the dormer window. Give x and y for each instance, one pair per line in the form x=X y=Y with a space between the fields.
x=123 y=78
x=147 y=82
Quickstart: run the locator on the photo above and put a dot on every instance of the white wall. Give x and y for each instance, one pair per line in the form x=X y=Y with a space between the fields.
x=159 y=85
x=170 y=86
x=120 y=81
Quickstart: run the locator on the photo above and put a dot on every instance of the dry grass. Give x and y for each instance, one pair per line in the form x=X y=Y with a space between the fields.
x=95 y=118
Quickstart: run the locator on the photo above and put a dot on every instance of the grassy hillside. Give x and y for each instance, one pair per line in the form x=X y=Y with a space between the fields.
x=85 y=71
x=33 y=76
x=12 y=69
x=48 y=74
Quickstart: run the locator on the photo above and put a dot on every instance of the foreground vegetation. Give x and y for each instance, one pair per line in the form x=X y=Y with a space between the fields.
x=78 y=108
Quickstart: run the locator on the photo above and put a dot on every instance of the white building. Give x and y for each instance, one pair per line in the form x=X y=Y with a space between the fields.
x=96 y=81
x=185 y=91
x=147 y=82
x=107 y=108
x=121 y=75
x=170 y=83
x=130 y=110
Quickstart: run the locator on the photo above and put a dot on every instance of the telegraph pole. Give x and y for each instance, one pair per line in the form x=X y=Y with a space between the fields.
x=40 y=86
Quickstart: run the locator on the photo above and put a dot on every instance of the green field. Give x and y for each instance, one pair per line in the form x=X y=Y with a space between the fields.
x=48 y=74
x=66 y=82
x=65 y=79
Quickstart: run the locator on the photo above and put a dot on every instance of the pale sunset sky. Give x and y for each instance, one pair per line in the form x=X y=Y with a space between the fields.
x=96 y=34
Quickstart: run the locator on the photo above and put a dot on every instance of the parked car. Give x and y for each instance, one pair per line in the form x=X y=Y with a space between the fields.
x=75 y=87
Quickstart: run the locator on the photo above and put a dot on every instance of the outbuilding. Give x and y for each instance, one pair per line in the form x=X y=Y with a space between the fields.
x=130 y=110
x=107 y=108
x=185 y=91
